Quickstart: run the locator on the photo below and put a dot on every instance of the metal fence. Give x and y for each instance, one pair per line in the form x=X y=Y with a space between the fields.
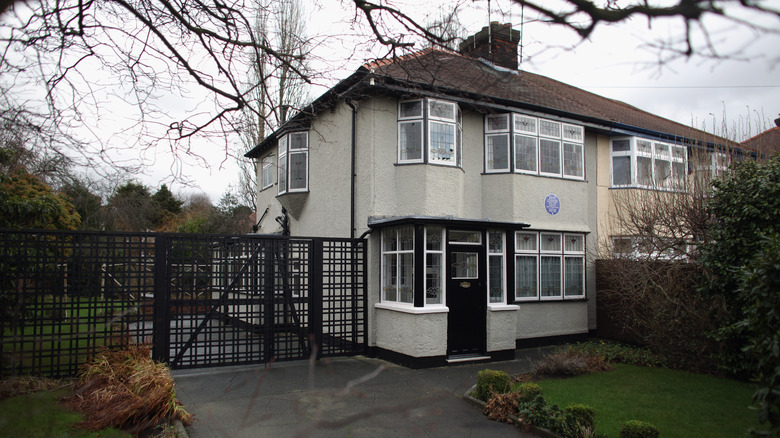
x=200 y=300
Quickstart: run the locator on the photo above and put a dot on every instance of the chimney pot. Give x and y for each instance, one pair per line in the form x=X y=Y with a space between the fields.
x=497 y=44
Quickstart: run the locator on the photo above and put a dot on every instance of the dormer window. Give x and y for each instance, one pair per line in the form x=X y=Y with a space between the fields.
x=429 y=131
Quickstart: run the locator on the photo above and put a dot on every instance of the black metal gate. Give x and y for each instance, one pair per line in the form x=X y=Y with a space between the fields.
x=200 y=300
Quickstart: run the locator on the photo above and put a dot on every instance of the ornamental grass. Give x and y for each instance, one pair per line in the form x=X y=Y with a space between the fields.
x=127 y=390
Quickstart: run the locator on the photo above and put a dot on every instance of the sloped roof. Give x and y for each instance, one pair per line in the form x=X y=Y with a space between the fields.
x=449 y=70
x=766 y=143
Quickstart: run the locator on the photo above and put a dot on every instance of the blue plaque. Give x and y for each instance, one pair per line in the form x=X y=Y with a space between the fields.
x=552 y=204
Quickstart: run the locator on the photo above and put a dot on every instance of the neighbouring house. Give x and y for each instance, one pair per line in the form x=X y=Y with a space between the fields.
x=767 y=142
x=483 y=191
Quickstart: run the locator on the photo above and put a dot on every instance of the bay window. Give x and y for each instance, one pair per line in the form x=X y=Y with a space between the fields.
x=293 y=167
x=640 y=162
x=549 y=266
x=429 y=131
x=398 y=265
x=533 y=146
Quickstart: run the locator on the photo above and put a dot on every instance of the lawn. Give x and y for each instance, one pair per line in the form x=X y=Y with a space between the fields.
x=40 y=415
x=679 y=404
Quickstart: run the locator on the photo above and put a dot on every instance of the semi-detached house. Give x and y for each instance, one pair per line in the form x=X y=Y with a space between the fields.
x=481 y=188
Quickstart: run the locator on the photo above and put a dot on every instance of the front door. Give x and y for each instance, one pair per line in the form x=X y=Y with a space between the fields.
x=466 y=293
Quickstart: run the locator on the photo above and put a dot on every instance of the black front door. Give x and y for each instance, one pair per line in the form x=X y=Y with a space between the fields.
x=466 y=296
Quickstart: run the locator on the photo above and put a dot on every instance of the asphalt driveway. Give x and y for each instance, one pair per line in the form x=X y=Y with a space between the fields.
x=340 y=397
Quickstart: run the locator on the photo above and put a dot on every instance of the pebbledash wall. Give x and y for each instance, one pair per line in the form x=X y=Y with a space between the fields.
x=385 y=189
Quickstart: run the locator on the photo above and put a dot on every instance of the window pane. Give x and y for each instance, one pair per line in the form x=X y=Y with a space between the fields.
x=497 y=122
x=572 y=160
x=442 y=142
x=679 y=174
x=441 y=110
x=498 y=152
x=390 y=240
x=574 y=243
x=390 y=286
x=464 y=265
x=433 y=238
x=282 y=173
x=496 y=278
x=621 y=171
x=412 y=108
x=575 y=276
x=662 y=150
x=551 y=242
x=525 y=242
x=525 y=124
x=644 y=146
x=663 y=173
x=410 y=141
x=459 y=236
x=406 y=238
x=298 y=140
x=549 y=128
x=644 y=171
x=525 y=153
x=551 y=276
x=621 y=145
x=433 y=276
x=525 y=276
x=267 y=173
x=496 y=242
x=298 y=170
x=406 y=278
x=573 y=133
x=678 y=152
x=549 y=156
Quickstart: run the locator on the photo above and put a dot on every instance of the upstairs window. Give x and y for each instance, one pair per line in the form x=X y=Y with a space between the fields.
x=293 y=167
x=429 y=131
x=640 y=162
x=267 y=172
x=525 y=144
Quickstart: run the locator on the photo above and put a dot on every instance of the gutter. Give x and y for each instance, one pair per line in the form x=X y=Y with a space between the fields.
x=353 y=175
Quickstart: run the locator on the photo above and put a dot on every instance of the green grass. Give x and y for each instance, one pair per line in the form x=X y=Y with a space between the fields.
x=679 y=404
x=39 y=415
x=60 y=343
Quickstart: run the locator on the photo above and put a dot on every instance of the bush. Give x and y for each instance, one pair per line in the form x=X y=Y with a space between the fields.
x=615 y=352
x=567 y=363
x=126 y=389
x=490 y=382
x=638 y=429
x=528 y=391
x=582 y=417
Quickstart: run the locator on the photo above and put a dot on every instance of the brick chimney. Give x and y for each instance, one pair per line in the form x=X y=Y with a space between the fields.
x=497 y=44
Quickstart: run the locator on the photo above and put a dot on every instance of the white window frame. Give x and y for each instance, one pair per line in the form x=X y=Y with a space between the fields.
x=492 y=254
x=560 y=253
x=428 y=119
x=284 y=166
x=441 y=267
x=565 y=140
x=644 y=150
x=398 y=252
x=267 y=172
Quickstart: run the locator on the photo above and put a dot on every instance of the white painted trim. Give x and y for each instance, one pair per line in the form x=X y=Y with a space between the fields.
x=412 y=309
x=503 y=307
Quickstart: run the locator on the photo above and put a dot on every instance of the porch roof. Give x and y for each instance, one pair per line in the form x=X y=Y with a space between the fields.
x=394 y=221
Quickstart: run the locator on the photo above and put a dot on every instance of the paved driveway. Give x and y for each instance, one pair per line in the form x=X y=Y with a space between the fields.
x=340 y=397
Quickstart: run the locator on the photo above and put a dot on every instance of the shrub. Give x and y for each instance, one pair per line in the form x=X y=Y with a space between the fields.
x=582 y=417
x=501 y=406
x=569 y=363
x=126 y=389
x=528 y=391
x=616 y=352
x=490 y=382
x=638 y=429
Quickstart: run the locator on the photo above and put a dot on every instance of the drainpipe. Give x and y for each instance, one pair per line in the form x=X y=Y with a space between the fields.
x=354 y=173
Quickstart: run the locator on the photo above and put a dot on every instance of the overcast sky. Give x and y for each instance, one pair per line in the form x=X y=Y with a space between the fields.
x=618 y=62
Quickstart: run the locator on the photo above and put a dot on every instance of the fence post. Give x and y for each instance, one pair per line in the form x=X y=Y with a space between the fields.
x=268 y=290
x=161 y=327
x=315 y=295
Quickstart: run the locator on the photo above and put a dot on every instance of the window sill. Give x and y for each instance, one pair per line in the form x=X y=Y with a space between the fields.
x=503 y=307
x=438 y=308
